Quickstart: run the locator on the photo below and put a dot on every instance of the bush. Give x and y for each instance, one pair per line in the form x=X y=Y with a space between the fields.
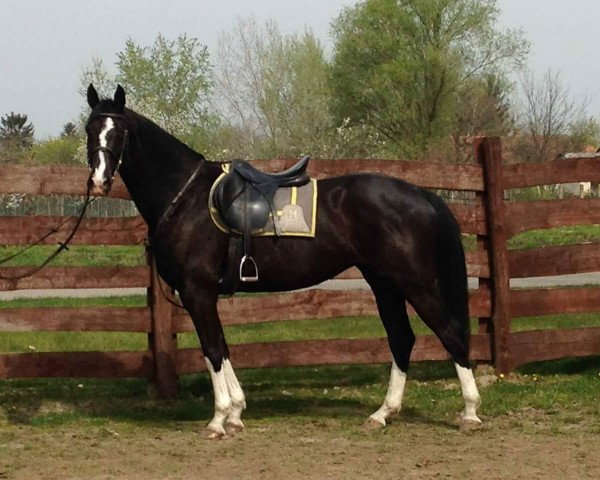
x=59 y=150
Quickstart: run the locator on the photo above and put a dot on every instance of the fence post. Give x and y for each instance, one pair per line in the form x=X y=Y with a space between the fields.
x=488 y=151
x=162 y=341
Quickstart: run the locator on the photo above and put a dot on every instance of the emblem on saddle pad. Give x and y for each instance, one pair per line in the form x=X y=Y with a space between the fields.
x=245 y=202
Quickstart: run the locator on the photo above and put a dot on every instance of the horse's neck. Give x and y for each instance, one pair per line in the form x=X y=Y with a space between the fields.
x=156 y=169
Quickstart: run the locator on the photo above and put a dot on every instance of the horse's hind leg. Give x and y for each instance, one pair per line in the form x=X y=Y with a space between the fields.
x=392 y=310
x=454 y=336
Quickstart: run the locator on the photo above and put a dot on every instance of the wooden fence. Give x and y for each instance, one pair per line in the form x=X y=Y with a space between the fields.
x=488 y=217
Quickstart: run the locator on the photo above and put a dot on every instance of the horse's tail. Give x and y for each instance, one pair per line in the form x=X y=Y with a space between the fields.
x=451 y=265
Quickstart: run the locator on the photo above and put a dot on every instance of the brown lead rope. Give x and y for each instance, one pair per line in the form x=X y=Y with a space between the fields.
x=61 y=245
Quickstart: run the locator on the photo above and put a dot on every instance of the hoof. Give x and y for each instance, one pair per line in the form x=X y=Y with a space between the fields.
x=372 y=424
x=233 y=428
x=469 y=425
x=213 y=434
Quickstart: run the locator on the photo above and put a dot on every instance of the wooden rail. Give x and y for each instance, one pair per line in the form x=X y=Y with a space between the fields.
x=488 y=216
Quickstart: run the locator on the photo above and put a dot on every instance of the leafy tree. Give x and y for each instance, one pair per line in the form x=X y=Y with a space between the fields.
x=485 y=109
x=16 y=138
x=60 y=150
x=15 y=131
x=272 y=88
x=551 y=120
x=97 y=74
x=170 y=82
x=403 y=65
x=69 y=130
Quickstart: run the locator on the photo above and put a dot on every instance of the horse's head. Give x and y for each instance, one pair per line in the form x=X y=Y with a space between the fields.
x=106 y=139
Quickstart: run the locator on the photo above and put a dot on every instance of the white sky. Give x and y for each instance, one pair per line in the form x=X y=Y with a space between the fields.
x=46 y=43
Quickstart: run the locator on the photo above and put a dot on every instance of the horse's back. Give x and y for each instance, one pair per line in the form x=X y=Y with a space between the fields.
x=375 y=197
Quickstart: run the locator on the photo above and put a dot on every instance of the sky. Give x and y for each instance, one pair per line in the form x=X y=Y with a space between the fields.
x=47 y=43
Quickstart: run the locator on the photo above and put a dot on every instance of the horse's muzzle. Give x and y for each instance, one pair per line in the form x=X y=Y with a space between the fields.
x=99 y=190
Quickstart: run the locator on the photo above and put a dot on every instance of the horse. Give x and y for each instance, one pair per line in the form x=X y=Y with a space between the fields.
x=402 y=238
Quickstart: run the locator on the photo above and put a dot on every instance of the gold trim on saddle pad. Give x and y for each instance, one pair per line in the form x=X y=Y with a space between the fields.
x=296 y=208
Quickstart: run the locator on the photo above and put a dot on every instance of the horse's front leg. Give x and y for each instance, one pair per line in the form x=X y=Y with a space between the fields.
x=229 y=397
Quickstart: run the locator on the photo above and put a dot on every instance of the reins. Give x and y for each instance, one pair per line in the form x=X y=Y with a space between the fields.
x=65 y=245
x=165 y=216
x=167 y=213
x=61 y=245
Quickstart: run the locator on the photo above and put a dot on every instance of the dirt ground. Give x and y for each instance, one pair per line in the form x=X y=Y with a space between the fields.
x=506 y=448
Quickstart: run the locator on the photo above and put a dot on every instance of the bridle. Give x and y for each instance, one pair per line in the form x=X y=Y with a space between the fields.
x=108 y=150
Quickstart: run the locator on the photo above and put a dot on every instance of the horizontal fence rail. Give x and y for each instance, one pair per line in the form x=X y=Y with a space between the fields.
x=91 y=231
x=570 y=170
x=482 y=211
x=76 y=277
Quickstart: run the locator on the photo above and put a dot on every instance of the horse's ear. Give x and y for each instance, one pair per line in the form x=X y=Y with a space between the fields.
x=119 y=98
x=92 y=96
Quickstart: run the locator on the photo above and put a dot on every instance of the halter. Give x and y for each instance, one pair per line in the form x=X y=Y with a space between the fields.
x=100 y=148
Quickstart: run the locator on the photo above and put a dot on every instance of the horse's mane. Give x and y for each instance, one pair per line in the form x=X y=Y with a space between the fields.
x=168 y=142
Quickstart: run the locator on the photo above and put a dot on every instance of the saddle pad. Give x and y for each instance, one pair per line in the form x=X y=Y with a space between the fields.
x=296 y=210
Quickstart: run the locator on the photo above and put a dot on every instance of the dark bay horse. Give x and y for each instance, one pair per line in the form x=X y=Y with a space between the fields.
x=403 y=239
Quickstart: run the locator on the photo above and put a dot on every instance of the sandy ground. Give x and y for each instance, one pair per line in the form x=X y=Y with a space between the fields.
x=506 y=448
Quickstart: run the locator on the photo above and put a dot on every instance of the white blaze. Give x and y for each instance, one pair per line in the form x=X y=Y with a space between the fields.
x=99 y=173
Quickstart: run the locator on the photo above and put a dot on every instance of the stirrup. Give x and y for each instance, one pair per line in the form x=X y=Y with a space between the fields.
x=253 y=278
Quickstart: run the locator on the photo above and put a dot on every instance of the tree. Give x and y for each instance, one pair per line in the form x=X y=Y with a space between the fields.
x=15 y=131
x=69 y=130
x=402 y=65
x=273 y=89
x=58 y=150
x=169 y=82
x=550 y=120
x=484 y=109
x=97 y=74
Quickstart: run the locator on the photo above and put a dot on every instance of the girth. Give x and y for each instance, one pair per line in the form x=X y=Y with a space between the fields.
x=244 y=200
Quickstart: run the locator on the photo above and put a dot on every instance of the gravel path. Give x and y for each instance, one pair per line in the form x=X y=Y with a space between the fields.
x=563 y=280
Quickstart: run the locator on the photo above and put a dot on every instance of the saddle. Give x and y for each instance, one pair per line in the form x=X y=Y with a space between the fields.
x=244 y=199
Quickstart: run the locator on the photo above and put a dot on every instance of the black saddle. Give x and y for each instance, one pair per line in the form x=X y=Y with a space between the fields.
x=245 y=198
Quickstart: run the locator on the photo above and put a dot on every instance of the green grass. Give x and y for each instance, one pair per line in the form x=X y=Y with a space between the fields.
x=344 y=327
x=551 y=237
x=562 y=391
x=78 y=255
x=555 y=237
x=126 y=301
x=556 y=321
x=133 y=255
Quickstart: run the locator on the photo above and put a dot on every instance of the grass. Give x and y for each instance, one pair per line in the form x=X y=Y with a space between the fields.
x=553 y=237
x=344 y=327
x=78 y=255
x=560 y=392
x=560 y=395
x=133 y=255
